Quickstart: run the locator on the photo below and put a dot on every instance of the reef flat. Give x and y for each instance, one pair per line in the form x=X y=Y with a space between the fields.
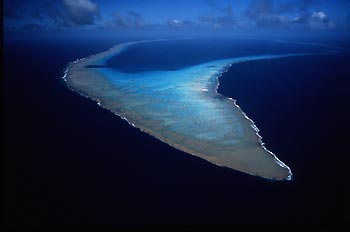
x=181 y=108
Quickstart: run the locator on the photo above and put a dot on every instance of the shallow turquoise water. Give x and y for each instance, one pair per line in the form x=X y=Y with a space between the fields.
x=185 y=100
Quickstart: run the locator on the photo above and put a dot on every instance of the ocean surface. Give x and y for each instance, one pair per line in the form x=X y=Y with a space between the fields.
x=172 y=55
x=69 y=162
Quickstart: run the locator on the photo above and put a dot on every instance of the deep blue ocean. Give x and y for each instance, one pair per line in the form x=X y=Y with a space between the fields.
x=69 y=162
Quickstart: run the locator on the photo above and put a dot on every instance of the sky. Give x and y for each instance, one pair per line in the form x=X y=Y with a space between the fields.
x=180 y=17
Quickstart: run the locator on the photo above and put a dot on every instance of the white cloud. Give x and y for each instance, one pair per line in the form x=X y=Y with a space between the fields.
x=319 y=20
x=129 y=20
x=177 y=23
x=81 y=11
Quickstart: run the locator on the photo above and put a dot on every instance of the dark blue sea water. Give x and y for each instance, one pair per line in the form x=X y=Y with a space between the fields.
x=69 y=162
x=177 y=54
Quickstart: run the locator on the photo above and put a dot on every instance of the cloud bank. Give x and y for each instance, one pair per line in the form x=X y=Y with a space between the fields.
x=66 y=13
x=129 y=20
x=81 y=12
x=220 y=17
x=272 y=13
x=266 y=14
x=177 y=23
